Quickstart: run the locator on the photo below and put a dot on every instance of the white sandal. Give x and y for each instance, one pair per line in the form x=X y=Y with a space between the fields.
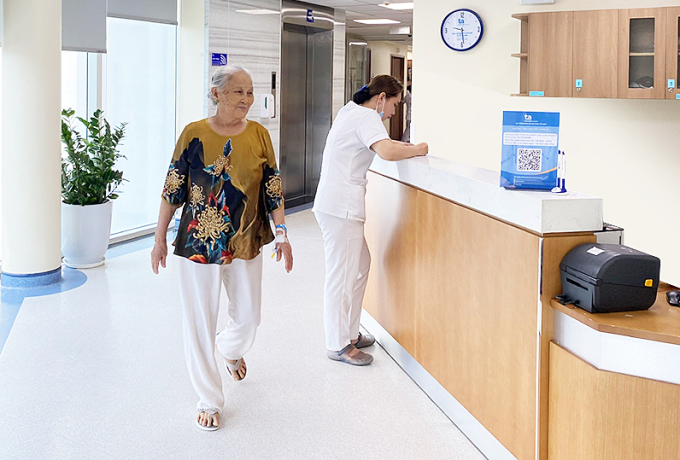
x=234 y=368
x=210 y=427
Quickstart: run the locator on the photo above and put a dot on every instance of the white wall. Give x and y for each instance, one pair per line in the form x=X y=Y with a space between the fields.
x=625 y=151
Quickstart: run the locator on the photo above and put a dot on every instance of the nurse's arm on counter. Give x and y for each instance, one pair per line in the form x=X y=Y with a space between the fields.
x=390 y=150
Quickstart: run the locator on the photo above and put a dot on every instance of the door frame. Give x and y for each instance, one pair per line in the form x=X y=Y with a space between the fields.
x=397 y=121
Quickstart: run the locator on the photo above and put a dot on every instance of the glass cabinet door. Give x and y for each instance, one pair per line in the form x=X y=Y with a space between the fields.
x=672 y=53
x=641 y=53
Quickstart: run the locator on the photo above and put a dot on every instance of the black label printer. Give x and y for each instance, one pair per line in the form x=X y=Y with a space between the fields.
x=602 y=278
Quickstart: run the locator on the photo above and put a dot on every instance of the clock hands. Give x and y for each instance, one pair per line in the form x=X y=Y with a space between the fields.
x=462 y=36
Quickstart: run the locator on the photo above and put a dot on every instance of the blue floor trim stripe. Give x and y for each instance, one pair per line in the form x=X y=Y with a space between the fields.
x=12 y=298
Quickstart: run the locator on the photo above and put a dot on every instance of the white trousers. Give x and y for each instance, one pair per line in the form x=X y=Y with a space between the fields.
x=347 y=265
x=200 y=286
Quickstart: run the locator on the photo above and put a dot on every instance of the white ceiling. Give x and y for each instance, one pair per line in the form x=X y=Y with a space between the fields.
x=369 y=9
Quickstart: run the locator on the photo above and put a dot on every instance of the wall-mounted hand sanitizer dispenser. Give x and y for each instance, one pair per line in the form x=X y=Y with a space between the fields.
x=267 y=109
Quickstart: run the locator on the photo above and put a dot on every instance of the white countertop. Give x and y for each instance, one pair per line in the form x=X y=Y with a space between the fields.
x=479 y=189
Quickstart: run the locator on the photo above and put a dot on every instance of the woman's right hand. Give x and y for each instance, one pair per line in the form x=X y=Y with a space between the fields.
x=158 y=255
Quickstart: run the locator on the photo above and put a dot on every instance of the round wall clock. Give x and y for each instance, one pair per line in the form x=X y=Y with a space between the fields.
x=462 y=29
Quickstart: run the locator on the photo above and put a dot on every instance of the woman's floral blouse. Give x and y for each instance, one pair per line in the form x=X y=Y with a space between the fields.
x=228 y=186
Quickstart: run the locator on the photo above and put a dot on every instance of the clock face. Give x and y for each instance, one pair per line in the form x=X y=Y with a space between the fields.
x=462 y=29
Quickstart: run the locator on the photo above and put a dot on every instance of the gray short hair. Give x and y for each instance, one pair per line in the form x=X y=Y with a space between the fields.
x=223 y=76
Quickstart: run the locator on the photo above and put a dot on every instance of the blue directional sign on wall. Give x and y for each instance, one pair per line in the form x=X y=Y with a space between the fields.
x=310 y=16
x=219 y=59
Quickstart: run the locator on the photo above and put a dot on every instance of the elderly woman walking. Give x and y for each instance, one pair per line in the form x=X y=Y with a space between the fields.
x=224 y=174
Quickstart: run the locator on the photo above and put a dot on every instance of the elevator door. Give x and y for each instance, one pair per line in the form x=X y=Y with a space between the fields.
x=306 y=87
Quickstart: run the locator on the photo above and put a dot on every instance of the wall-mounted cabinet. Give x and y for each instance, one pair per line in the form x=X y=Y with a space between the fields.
x=642 y=62
x=629 y=53
x=672 y=52
x=550 y=53
x=595 y=54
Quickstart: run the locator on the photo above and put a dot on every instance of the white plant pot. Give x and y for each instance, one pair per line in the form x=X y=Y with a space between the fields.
x=85 y=232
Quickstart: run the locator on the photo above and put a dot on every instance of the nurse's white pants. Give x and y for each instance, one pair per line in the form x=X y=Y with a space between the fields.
x=200 y=286
x=347 y=264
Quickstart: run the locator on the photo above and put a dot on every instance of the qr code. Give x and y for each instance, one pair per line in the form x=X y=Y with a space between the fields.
x=529 y=159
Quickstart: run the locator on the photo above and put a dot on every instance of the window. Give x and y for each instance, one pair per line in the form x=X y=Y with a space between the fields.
x=0 y=152
x=74 y=81
x=139 y=89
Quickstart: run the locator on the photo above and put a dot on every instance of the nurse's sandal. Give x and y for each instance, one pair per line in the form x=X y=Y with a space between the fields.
x=363 y=341
x=351 y=355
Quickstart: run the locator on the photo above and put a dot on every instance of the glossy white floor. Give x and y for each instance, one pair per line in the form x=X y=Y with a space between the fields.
x=98 y=372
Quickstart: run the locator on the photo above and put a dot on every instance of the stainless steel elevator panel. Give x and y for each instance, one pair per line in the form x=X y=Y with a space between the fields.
x=293 y=115
x=306 y=89
x=319 y=103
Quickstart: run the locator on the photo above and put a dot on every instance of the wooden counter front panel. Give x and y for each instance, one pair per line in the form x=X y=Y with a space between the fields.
x=554 y=250
x=596 y=415
x=390 y=295
x=460 y=292
x=476 y=316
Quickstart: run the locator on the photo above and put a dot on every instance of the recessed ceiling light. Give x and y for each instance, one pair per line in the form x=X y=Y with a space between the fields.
x=260 y=11
x=397 y=6
x=400 y=30
x=377 y=21
x=358 y=43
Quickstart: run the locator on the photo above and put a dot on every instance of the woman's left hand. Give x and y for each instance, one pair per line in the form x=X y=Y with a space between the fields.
x=286 y=250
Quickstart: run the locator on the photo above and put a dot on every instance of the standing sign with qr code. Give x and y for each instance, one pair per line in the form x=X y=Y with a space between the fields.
x=529 y=156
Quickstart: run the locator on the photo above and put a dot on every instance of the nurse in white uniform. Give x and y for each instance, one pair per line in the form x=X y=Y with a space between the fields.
x=357 y=134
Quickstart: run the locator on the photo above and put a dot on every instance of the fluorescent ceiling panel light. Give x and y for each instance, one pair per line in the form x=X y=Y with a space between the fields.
x=358 y=43
x=397 y=6
x=374 y=22
x=261 y=11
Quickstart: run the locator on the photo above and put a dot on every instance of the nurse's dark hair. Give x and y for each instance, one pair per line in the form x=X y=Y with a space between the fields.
x=380 y=84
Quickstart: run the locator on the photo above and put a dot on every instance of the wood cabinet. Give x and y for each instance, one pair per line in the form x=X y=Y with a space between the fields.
x=550 y=51
x=626 y=53
x=642 y=63
x=595 y=54
x=672 y=52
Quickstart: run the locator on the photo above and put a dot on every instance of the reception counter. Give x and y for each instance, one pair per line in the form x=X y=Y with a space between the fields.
x=461 y=279
x=460 y=293
x=617 y=375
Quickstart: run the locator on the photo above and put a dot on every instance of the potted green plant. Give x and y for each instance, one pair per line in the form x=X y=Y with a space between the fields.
x=89 y=180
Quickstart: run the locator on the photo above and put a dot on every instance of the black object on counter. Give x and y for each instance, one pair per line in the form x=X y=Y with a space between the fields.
x=602 y=278
x=673 y=298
